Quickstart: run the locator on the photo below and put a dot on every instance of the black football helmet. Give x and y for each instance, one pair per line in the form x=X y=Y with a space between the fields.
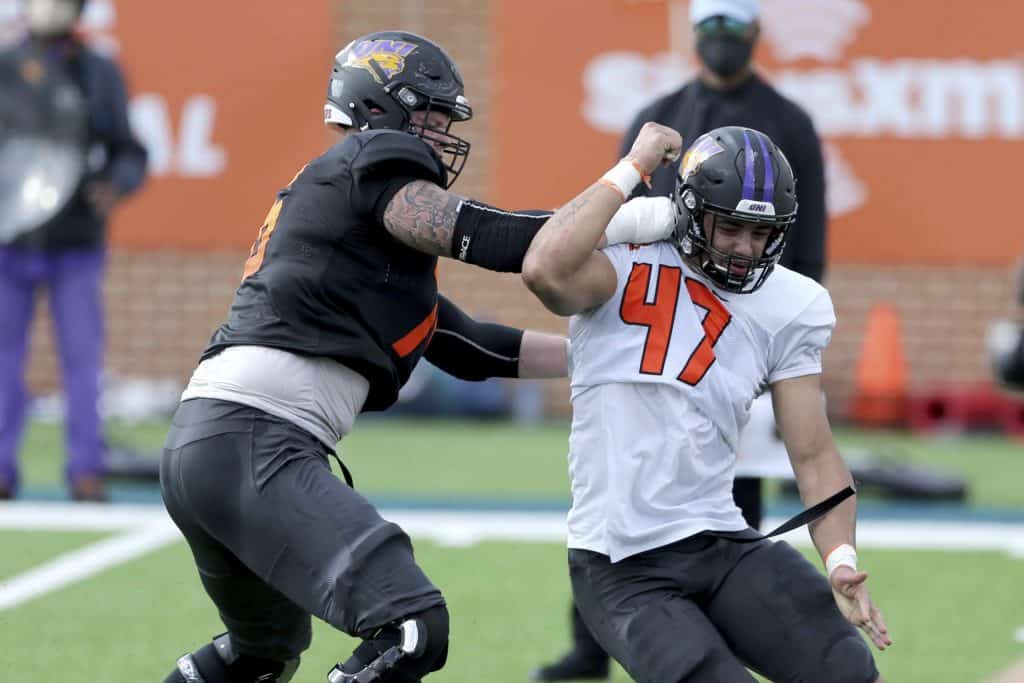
x=737 y=174
x=378 y=80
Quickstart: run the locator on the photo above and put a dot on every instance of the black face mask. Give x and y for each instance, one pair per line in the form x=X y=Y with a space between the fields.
x=724 y=55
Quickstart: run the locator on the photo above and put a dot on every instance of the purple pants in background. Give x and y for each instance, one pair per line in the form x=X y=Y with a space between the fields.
x=73 y=281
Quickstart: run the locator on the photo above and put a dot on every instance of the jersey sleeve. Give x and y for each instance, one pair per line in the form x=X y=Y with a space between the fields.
x=620 y=255
x=386 y=162
x=797 y=348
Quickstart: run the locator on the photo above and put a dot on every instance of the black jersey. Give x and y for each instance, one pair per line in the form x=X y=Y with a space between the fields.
x=325 y=278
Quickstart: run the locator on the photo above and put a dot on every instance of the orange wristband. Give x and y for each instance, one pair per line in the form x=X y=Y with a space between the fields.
x=608 y=183
x=623 y=177
x=643 y=176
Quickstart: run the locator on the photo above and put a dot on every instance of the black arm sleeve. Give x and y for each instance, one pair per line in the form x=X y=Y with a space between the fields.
x=805 y=252
x=495 y=239
x=472 y=350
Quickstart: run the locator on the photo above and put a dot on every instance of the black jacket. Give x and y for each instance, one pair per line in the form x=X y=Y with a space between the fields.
x=695 y=109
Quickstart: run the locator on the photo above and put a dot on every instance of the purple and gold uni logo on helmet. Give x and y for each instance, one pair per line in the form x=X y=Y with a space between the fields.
x=388 y=56
x=703 y=149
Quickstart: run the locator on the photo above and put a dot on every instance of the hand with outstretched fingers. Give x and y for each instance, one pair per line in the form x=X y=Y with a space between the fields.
x=854 y=602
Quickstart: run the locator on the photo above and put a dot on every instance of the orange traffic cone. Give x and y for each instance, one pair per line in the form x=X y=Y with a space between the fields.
x=880 y=394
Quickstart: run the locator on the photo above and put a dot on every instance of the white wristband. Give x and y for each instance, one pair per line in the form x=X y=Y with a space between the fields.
x=641 y=221
x=843 y=555
x=623 y=176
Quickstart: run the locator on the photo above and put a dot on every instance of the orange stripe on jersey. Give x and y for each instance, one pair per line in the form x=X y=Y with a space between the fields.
x=417 y=335
x=259 y=248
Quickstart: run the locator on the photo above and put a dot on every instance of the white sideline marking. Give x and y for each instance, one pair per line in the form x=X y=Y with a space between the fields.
x=85 y=562
x=146 y=528
x=77 y=516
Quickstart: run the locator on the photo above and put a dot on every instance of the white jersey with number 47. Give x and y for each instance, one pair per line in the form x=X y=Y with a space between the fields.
x=663 y=375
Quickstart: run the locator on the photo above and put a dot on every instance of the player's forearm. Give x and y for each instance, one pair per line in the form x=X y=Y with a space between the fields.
x=543 y=355
x=429 y=219
x=818 y=478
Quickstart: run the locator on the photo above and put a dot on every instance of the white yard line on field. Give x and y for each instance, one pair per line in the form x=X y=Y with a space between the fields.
x=147 y=528
x=87 y=561
x=77 y=516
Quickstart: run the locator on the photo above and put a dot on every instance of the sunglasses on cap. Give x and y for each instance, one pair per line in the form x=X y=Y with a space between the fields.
x=723 y=26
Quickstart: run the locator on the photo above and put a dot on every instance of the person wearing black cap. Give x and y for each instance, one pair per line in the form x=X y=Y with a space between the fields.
x=727 y=91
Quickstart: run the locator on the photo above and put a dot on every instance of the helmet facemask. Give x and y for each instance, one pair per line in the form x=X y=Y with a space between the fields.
x=729 y=271
x=452 y=150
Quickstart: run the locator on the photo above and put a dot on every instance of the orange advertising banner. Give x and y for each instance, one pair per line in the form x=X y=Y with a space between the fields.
x=227 y=98
x=920 y=106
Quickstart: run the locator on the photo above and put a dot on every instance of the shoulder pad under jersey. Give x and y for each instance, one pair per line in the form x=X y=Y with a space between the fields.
x=394 y=153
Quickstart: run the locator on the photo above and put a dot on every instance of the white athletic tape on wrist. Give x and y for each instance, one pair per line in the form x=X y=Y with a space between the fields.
x=624 y=177
x=842 y=555
x=642 y=221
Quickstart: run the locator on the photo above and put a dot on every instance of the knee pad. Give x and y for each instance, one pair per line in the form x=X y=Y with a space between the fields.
x=401 y=652
x=217 y=662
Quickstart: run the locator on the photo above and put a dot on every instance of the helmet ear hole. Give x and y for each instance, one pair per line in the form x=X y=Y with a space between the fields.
x=689 y=200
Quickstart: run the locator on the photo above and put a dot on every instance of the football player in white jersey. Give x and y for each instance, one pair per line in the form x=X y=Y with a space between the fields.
x=671 y=342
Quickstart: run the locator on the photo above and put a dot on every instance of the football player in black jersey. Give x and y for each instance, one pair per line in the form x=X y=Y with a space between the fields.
x=337 y=304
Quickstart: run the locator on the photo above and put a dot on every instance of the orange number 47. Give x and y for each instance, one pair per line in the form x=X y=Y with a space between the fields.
x=659 y=316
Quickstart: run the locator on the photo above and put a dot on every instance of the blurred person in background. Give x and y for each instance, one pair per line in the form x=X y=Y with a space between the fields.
x=338 y=303
x=728 y=91
x=1006 y=342
x=66 y=253
x=670 y=344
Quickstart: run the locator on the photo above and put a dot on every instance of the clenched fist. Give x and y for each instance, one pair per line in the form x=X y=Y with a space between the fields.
x=655 y=145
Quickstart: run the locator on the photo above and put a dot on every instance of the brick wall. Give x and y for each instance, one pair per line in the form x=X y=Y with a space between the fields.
x=162 y=306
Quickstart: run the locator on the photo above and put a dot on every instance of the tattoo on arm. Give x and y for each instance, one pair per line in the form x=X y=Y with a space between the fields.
x=422 y=215
x=578 y=204
x=563 y=219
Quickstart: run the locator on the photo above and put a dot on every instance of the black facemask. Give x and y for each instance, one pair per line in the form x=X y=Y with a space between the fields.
x=724 y=55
